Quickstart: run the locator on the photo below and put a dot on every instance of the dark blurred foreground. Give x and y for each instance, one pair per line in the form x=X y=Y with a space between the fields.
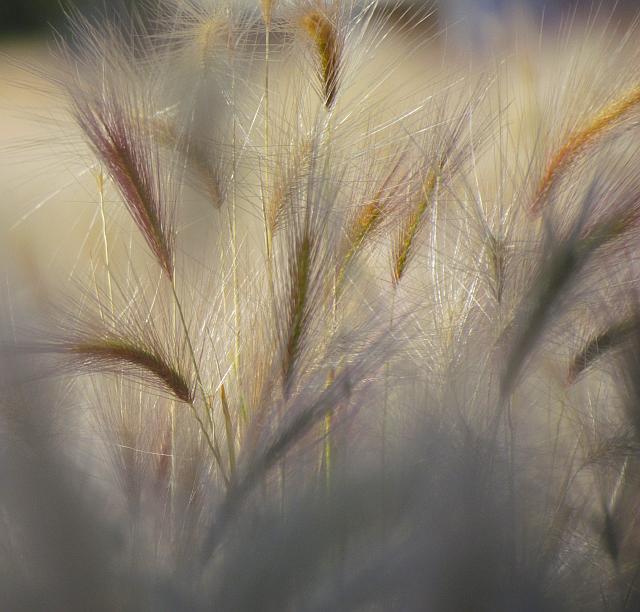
x=443 y=539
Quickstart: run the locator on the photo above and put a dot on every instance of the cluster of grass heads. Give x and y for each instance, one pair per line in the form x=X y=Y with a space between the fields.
x=338 y=345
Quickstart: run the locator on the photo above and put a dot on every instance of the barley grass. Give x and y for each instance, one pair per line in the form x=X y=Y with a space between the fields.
x=123 y=352
x=599 y=345
x=324 y=35
x=310 y=351
x=411 y=226
x=579 y=140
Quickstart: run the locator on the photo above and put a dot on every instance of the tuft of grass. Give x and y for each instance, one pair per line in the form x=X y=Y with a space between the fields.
x=323 y=357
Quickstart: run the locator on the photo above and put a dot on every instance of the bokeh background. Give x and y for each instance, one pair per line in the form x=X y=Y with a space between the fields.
x=20 y=17
x=26 y=16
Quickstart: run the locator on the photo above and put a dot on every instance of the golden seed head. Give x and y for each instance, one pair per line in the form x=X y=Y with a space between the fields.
x=325 y=38
x=268 y=6
x=580 y=139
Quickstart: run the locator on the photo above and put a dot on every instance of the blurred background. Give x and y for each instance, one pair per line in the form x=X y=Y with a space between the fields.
x=29 y=16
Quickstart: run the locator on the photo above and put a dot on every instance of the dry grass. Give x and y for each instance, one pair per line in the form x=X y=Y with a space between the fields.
x=316 y=353
x=582 y=138
x=324 y=35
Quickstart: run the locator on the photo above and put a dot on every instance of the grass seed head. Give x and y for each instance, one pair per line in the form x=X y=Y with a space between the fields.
x=112 y=104
x=325 y=37
x=116 y=351
x=581 y=139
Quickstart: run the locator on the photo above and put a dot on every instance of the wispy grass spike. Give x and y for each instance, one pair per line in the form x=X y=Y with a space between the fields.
x=109 y=352
x=368 y=218
x=580 y=140
x=131 y=165
x=114 y=110
x=561 y=269
x=298 y=306
x=326 y=39
x=405 y=241
x=599 y=345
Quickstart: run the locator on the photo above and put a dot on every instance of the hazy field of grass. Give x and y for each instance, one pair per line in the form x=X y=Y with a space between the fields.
x=304 y=307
